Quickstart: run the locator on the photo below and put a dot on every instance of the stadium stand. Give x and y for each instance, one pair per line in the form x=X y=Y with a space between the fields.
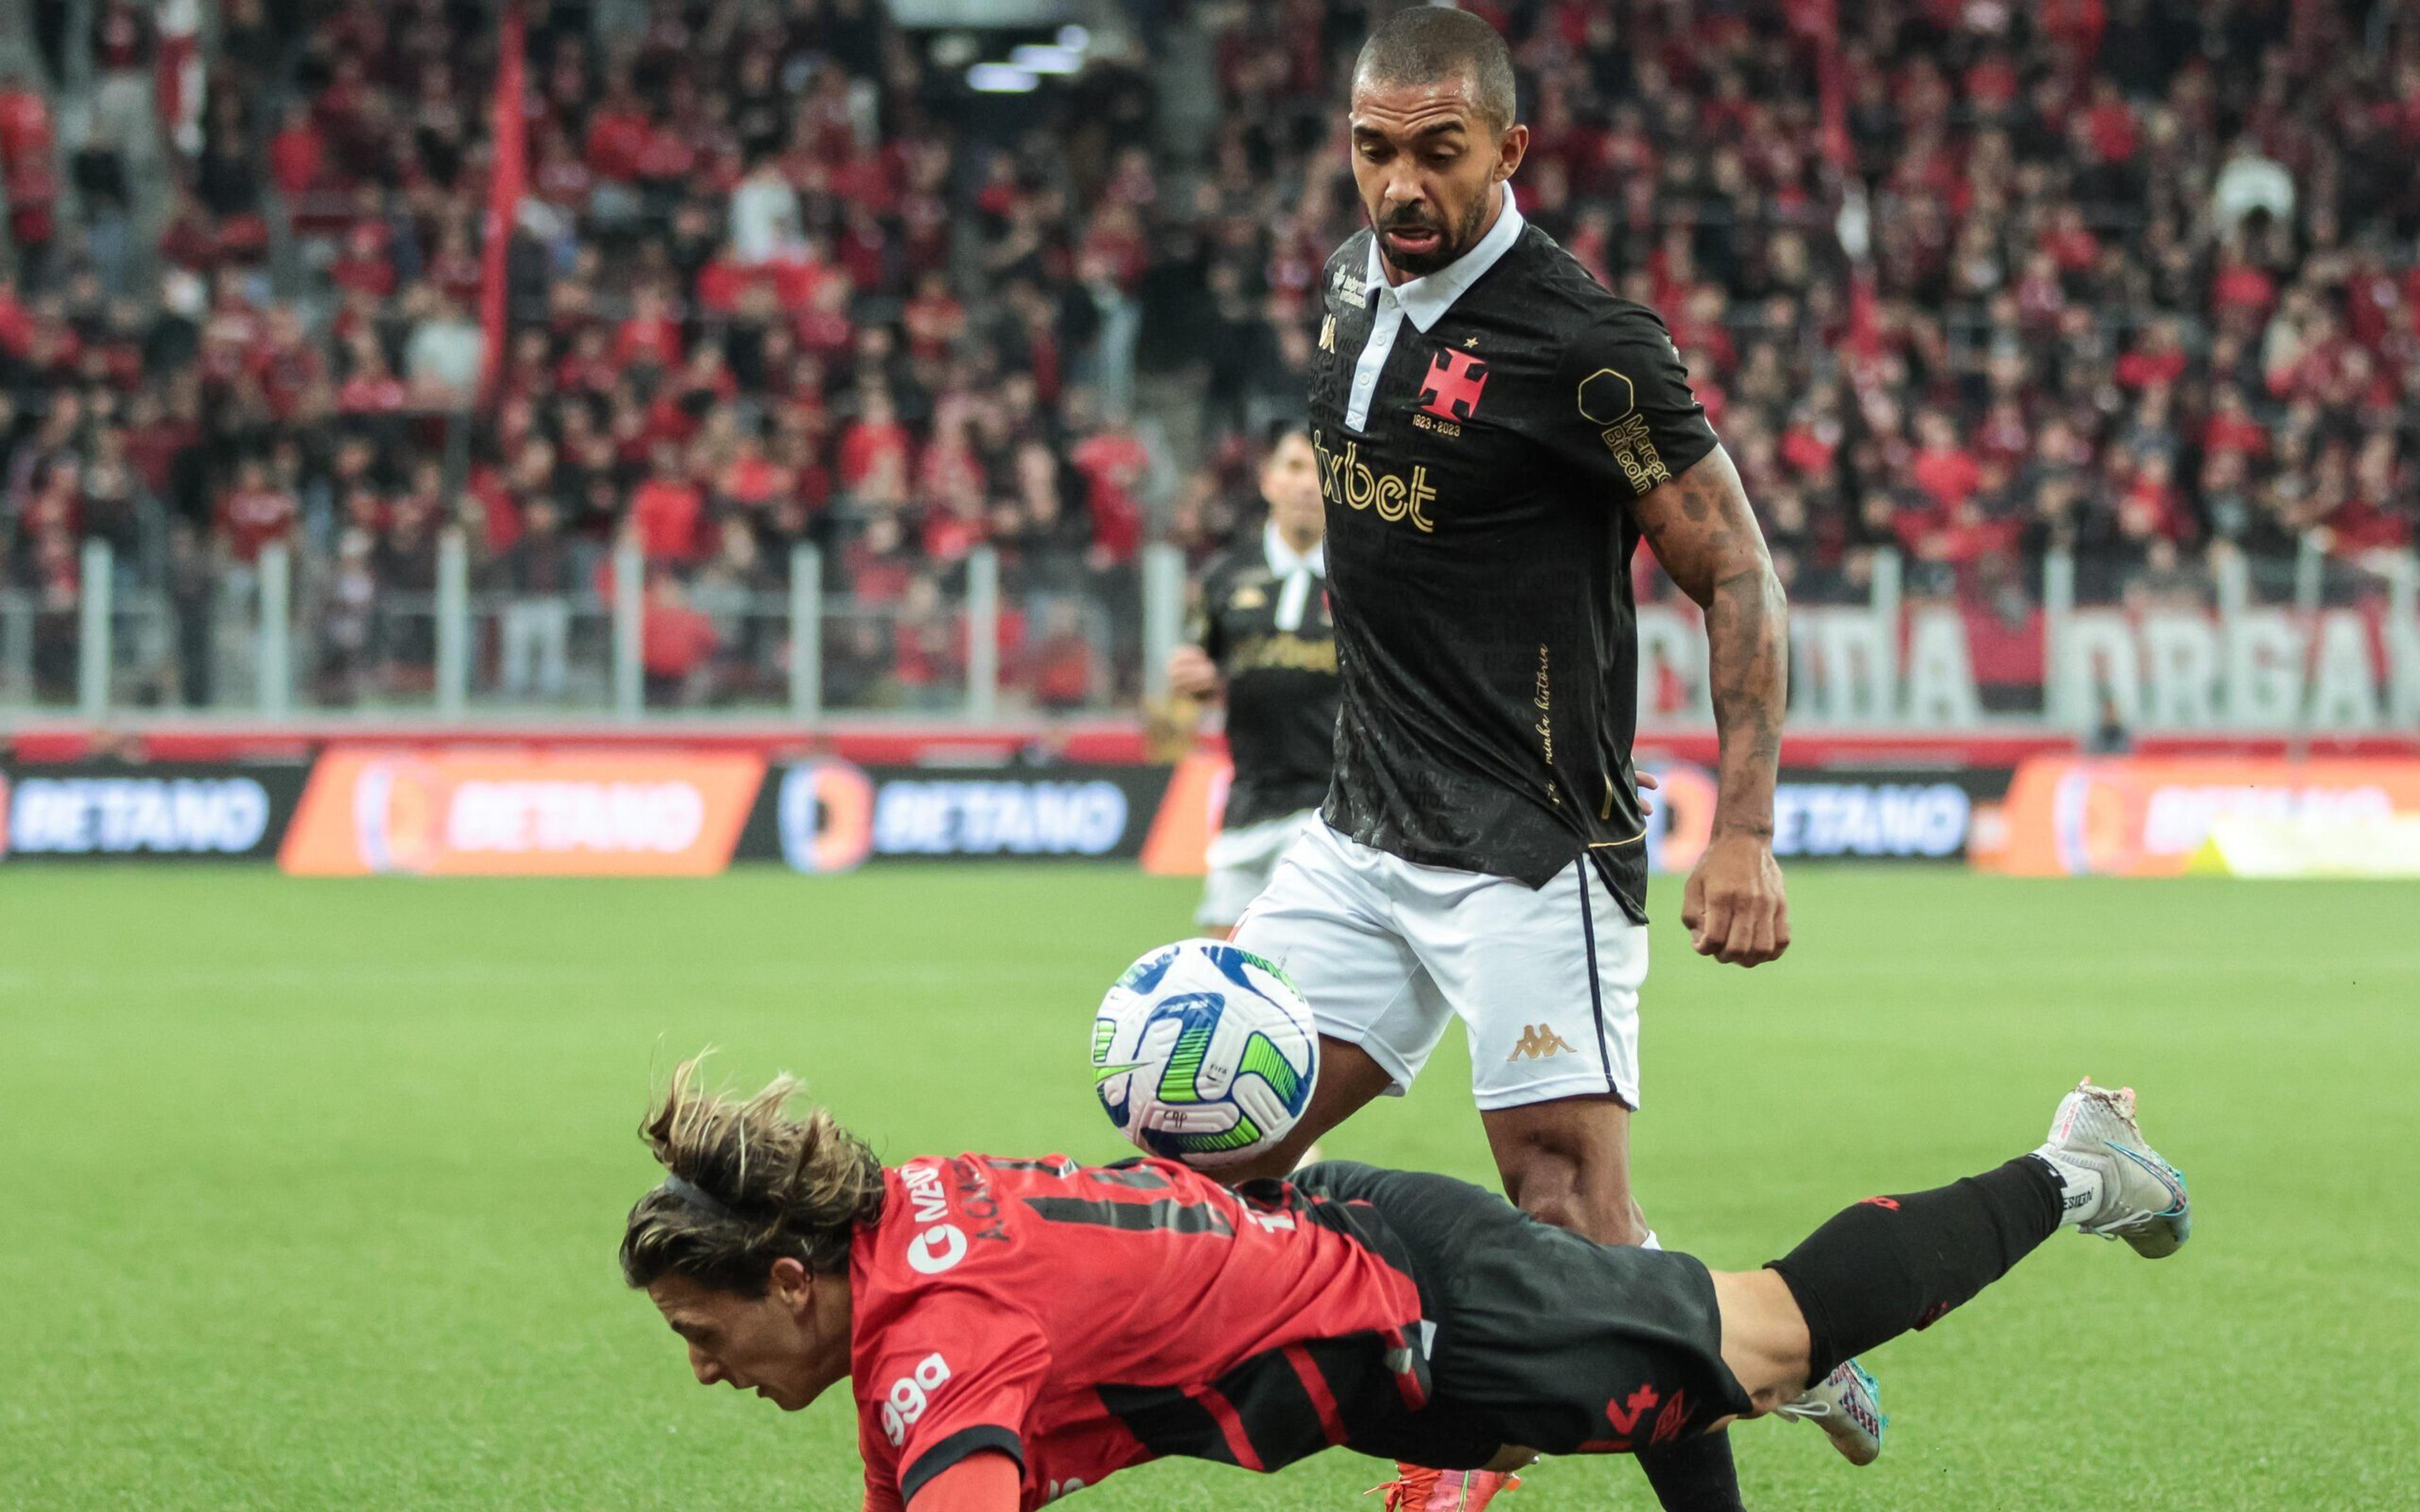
x=1976 y=281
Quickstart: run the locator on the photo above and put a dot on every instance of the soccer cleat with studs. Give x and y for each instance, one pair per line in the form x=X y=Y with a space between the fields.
x=2142 y=1198
x=1847 y=1405
x=1416 y=1489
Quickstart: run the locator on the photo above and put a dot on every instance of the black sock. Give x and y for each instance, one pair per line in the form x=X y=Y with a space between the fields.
x=1891 y=1264
x=1693 y=1474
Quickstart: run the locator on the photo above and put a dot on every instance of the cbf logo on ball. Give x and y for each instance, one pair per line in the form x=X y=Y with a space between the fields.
x=1204 y=1052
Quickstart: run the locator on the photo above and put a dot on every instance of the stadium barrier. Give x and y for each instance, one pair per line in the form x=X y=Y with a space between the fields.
x=1877 y=812
x=601 y=803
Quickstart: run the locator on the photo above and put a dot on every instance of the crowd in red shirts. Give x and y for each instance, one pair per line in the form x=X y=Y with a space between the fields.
x=767 y=290
x=2139 y=281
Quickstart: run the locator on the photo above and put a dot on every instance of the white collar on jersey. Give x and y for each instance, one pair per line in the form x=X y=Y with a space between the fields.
x=1284 y=560
x=1296 y=570
x=1426 y=298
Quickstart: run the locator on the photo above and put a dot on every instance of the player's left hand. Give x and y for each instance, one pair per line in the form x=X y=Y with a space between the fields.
x=1734 y=908
x=1647 y=784
x=1192 y=674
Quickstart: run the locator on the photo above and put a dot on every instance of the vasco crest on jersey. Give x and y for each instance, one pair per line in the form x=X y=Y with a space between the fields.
x=1450 y=392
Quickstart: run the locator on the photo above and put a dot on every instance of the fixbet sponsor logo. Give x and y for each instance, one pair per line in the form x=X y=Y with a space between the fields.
x=939 y=1245
x=514 y=817
x=1345 y=479
x=912 y=817
x=130 y=815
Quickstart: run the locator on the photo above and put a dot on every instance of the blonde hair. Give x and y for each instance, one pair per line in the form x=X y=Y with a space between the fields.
x=749 y=1184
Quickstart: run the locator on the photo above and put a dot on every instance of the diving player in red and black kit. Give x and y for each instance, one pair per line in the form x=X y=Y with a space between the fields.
x=1015 y=1330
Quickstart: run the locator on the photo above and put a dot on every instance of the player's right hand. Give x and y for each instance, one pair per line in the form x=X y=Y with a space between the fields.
x=1192 y=674
x=1734 y=906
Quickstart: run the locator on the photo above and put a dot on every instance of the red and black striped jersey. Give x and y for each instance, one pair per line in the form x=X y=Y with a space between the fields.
x=1085 y=1319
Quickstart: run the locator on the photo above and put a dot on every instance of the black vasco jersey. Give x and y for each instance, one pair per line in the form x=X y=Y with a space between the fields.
x=1482 y=433
x=1279 y=659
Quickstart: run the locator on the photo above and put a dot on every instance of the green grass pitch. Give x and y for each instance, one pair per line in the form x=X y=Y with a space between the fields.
x=312 y=1189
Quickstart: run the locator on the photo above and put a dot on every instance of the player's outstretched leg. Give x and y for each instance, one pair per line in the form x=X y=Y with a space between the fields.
x=1893 y=1264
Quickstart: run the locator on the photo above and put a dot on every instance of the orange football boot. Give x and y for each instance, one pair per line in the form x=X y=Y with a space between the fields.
x=1416 y=1489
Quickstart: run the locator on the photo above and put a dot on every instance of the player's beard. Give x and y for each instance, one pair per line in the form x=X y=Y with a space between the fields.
x=1451 y=244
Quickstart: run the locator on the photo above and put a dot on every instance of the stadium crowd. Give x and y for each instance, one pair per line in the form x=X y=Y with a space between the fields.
x=2132 y=276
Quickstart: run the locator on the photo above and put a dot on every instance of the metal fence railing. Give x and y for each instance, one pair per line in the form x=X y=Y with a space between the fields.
x=2302 y=641
x=271 y=638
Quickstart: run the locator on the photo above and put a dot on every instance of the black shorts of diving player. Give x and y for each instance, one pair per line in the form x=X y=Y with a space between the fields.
x=1536 y=1336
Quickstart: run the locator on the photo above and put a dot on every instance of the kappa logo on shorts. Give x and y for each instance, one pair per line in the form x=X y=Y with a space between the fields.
x=1538 y=1043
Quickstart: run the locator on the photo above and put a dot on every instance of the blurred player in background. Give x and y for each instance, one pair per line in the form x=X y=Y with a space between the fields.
x=1262 y=639
x=1017 y=1330
x=1495 y=434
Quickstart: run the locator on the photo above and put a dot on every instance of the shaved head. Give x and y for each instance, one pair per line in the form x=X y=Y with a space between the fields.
x=1428 y=45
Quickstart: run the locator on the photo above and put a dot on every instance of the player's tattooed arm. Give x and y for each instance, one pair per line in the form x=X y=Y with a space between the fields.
x=1705 y=535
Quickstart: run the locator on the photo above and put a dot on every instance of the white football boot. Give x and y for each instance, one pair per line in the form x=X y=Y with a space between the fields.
x=2132 y=1192
x=1848 y=1405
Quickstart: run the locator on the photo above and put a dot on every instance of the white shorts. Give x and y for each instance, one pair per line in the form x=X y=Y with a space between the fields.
x=1546 y=981
x=1242 y=860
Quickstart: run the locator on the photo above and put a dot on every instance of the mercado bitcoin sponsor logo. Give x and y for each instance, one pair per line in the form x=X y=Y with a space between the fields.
x=1345 y=479
x=1608 y=400
x=443 y=812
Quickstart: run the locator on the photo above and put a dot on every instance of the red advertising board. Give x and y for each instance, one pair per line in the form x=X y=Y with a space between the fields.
x=2148 y=815
x=520 y=814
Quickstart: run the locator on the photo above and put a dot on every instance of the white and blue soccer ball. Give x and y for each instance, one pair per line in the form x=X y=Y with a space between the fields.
x=1204 y=1052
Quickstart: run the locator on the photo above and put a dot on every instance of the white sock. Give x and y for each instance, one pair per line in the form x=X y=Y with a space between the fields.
x=2083 y=1183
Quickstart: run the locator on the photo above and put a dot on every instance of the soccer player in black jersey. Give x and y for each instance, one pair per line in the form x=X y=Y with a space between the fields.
x=1263 y=639
x=1495 y=434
